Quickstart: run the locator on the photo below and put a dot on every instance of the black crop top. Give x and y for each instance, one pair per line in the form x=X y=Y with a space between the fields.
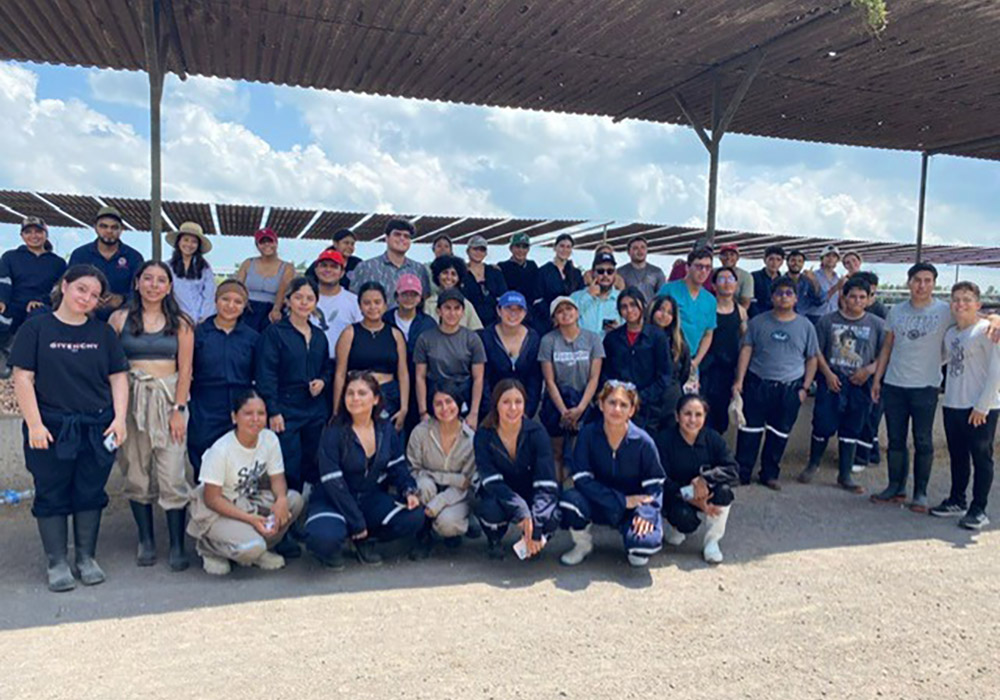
x=373 y=351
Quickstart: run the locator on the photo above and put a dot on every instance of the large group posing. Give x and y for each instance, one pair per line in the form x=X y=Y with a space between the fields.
x=375 y=400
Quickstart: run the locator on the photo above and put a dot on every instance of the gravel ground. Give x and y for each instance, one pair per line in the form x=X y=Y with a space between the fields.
x=822 y=595
x=8 y=404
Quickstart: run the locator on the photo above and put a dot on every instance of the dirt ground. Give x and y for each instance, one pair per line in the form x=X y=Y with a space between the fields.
x=822 y=595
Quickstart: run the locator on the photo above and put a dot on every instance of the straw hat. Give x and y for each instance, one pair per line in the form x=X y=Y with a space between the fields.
x=192 y=229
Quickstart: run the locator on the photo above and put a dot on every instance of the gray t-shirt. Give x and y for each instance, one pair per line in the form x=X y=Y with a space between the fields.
x=973 y=379
x=916 y=347
x=780 y=348
x=571 y=360
x=648 y=280
x=849 y=344
x=449 y=357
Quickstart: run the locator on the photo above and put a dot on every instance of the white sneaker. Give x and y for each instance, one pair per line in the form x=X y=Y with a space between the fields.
x=269 y=561
x=858 y=468
x=216 y=566
x=712 y=553
x=583 y=545
x=636 y=560
x=675 y=537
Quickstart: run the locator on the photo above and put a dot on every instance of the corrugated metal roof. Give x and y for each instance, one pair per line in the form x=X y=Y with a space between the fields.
x=243 y=220
x=929 y=80
x=29 y=205
x=201 y=214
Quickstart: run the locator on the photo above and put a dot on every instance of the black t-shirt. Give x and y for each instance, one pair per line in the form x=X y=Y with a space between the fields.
x=71 y=363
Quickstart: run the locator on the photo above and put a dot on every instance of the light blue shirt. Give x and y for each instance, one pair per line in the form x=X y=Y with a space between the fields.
x=594 y=311
x=697 y=314
x=196 y=297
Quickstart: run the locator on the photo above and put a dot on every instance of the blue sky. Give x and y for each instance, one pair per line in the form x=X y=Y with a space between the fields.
x=86 y=131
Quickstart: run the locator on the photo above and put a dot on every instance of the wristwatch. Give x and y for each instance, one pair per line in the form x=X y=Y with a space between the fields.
x=181 y=408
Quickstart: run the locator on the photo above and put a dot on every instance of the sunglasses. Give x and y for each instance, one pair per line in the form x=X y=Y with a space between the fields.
x=604 y=271
x=783 y=292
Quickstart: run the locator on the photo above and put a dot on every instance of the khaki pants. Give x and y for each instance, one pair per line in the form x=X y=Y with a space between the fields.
x=453 y=519
x=239 y=541
x=155 y=467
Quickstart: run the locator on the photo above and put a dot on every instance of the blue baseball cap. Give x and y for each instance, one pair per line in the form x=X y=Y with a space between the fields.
x=512 y=299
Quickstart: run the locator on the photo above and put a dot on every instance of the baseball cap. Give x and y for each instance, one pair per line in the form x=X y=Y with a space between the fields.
x=830 y=249
x=512 y=298
x=35 y=221
x=332 y=256
x=108 y=211
x=450 y=294
x=561 y=300
x=729 y=246
x=265 y=233
x=477 y=242
x=521 y=239
x=409 y=283
x=605 y=257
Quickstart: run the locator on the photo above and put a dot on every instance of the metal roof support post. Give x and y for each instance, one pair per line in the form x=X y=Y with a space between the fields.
x=155 y=53
x=924 y=158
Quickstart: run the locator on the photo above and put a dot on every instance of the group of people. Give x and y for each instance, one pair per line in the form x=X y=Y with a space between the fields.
x=374 y=400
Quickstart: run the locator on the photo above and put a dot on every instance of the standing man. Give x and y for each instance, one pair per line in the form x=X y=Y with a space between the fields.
x=829 y=284
x=387 y=267
x=338 y=307
x=645 y=276
x=774 y=258
x=344 y=241
x=777 y=362
x=729 y=256
x=910 y=365
x=27 y=275
x=971 y=403
x=118 y=261
x=521 y=275
x=695 y=304
x=806 y=287
x=484 y=283
x=850 y=341
x=598 y=302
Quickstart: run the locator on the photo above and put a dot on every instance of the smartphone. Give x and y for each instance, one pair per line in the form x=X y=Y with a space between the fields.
x=687 y=492
x=521 y=549
x=109 y=443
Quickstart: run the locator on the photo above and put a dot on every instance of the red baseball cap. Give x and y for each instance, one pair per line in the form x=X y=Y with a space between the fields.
x=729 y=246
x=333 y=256
x=265 y=233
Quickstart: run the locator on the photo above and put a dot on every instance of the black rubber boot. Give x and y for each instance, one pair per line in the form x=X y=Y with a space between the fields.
x=494 y=548
x=54 y=541
x=86 y=526
x=366 y=552
x=846 y=466
x=178 y=558
x=143 y=514
x=423 y=543
x=288 y=547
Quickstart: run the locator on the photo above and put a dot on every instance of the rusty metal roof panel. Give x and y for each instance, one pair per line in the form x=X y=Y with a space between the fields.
x=27 y=204
x=201 y=214
x=82 y=207
x=329 y=222
x=134 y=211
x=461 y=230
x=430 y=224
x=289 y=223
x=239 y=219
x=374 y=226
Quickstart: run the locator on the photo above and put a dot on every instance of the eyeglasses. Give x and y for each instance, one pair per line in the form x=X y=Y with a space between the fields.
x=783 y=292
x=604 y=271
x=618 y=384
x=701 y=266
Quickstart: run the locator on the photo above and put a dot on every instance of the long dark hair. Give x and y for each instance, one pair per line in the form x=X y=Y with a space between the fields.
x=343 y=415
x=673 y=331
x=492 y=419
x=171 y=310
x=72 y=275
x=198 y=262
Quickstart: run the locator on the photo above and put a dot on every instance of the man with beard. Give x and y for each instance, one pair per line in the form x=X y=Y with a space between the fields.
x=806 y=286
x=118 y=261
x=598 y=303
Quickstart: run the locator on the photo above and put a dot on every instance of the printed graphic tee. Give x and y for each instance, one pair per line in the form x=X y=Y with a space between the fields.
x=240 y=470
x=849 y=344
x=916 y=346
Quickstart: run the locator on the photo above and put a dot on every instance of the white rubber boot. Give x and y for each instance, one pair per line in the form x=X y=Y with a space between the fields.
x=715 y=528
x=675 y=536
x=583 y=544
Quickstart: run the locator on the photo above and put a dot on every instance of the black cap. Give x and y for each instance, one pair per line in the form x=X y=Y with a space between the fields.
x=604 y=258
x=450 y=294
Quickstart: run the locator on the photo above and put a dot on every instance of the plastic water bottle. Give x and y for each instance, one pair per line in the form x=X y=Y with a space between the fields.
x=11 y=497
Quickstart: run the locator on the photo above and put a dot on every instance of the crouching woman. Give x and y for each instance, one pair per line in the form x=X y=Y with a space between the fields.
x=360 y=455
x=517 y=475
x=243 y=507
x=617 y=481
x=700 y=472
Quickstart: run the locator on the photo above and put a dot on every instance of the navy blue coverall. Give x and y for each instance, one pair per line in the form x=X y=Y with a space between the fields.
x=500 y=365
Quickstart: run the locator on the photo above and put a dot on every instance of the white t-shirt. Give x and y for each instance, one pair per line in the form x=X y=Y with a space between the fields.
x=403 y=324
x=238 y=469
x=339 y=311
x=973 y=379
x=915 y=361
